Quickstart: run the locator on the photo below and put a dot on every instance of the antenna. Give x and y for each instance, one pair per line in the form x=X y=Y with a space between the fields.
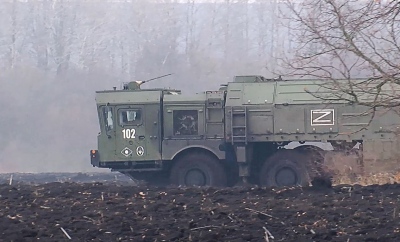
x=141 y=82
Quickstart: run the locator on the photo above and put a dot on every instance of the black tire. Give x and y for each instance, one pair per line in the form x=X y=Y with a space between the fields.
x=284 y=168
x=198 y=169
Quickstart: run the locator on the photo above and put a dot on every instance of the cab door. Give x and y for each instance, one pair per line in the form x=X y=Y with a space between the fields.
x=137 y=133
x=106 y=138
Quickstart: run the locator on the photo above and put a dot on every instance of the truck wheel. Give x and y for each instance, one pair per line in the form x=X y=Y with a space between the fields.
x=198 y=169
x=284 y=168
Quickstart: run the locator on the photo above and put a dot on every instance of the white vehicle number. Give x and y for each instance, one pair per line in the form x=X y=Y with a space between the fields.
x=128 y=133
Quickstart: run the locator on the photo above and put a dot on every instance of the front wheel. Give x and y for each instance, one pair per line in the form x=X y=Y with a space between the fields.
x=285 y=168
x=198 y=169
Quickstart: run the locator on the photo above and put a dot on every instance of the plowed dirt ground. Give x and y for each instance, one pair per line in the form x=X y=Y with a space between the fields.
x=110 y=211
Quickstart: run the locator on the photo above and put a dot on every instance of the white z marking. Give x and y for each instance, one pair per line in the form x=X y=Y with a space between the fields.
x=322 y=117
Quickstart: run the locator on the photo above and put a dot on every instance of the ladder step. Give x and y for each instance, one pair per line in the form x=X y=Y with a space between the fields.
x=238 y=114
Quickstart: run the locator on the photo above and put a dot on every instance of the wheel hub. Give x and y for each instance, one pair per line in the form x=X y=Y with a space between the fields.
x=286 y=177
x=195 y=177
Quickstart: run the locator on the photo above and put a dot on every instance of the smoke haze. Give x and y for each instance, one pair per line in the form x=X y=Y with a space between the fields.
x=56 y=54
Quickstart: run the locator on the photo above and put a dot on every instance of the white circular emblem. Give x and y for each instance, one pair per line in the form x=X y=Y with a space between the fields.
x=140 y=150
x=126 y=151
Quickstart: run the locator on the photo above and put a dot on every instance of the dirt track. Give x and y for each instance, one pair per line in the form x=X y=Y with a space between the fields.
x=111 y=212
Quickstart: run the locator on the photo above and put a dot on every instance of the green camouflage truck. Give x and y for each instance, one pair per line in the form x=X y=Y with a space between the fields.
x=243 y=132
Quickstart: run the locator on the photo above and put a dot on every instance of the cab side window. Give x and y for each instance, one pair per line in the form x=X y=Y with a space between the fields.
x=130 y=117
x=108 y=118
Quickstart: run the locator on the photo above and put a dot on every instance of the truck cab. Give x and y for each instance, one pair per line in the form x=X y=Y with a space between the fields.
x=157 y=135
x=130 y=122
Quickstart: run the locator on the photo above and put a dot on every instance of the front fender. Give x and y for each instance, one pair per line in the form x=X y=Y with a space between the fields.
x=171 y=148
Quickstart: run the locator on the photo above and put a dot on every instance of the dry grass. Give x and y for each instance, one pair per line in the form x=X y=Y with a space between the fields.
x=347 y=170
x=367 y=179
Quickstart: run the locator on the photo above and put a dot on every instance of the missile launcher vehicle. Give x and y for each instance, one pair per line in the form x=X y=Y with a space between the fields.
x=270 y=132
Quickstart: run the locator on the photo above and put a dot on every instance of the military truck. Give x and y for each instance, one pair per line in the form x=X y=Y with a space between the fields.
x=238 y=133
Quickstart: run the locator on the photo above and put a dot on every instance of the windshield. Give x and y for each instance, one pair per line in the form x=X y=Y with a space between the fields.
x=130 y=117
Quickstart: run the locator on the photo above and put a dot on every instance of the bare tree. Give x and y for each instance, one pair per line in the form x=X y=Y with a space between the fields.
x=13 y=34
x=62 y=29
x=347 y=39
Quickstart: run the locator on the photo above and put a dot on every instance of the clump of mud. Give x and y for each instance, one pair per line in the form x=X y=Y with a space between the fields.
x=322 y=182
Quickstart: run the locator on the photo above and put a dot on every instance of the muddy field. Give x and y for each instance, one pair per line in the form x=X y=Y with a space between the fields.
x=87 y=207
x=41 y=178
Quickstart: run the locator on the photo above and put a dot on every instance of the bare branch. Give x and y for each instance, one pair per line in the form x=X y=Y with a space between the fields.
x=346 y=40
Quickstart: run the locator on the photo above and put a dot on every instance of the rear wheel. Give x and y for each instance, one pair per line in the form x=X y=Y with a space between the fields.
x=198 y=169
x=284 y=169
